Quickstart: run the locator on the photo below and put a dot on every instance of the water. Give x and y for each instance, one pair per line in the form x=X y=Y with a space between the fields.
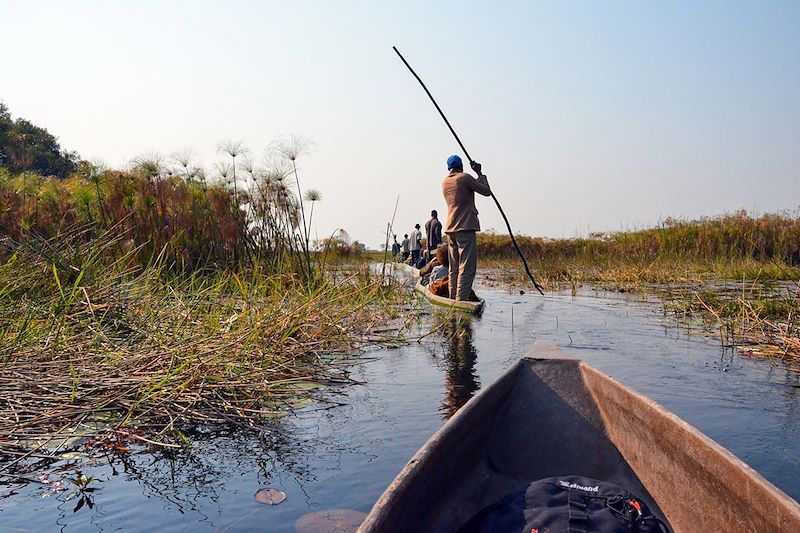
x=344 y=449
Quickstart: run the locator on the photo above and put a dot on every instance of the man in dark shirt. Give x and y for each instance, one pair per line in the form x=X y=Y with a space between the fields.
x=433 y=230
x=406 y=247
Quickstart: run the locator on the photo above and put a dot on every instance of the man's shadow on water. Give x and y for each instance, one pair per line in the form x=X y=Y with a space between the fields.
x=459 y=358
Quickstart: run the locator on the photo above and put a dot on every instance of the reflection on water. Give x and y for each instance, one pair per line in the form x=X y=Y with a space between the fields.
x=460 y=380
x=343 y=450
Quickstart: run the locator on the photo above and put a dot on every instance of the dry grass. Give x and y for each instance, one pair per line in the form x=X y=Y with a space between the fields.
x=686 y=264
x=93 y=344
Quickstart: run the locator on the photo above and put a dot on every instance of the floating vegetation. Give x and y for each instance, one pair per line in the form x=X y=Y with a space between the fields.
x=269 y=496
x=759 y=319
x=331 y=520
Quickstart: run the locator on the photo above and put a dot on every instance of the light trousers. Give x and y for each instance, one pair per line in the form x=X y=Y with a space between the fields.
x=463 y=255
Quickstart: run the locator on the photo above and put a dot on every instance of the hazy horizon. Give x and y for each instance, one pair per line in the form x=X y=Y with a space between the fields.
x=586 y=117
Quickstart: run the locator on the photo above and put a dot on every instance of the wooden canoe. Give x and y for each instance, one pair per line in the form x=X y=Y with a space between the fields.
x=475 y=308
x=550 y=416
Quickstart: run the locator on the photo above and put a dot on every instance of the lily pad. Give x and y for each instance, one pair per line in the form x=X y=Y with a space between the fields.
x=306 y=385
x=71 y=456
x=330 y=520
x=269 y=496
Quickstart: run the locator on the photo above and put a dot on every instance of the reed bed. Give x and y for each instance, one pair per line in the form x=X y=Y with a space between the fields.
x=735 y=274
x=107 y=348
x=138 y=305
x=725 y=247
x=758 y=318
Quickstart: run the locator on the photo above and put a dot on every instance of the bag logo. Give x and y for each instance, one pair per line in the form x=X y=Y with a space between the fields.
x=568 y=485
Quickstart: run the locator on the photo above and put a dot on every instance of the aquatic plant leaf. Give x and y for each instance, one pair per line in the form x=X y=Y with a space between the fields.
x=330 y=520
x=269 y=496
x=306 y=385
x=69 y=456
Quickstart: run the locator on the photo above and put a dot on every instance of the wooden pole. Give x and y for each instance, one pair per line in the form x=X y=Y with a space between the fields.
x=471 y=161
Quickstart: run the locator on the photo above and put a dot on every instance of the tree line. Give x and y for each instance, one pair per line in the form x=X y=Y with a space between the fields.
x=25 y=147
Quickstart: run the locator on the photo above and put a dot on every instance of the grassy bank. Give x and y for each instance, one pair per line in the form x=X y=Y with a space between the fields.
x=155 y=351
x=135 y=305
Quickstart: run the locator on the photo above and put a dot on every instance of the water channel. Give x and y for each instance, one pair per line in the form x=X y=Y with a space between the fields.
x=341 y=451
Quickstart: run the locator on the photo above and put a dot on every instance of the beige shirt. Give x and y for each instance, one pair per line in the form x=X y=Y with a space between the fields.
x=459 y=192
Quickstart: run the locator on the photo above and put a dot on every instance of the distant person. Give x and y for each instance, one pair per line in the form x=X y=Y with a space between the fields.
x=433 y=230
x=459 y=191
x=406 y=247
x=416 y=237
x=395 y=247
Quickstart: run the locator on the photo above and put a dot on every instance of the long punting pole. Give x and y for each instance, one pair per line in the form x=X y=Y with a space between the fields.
x=505 y=218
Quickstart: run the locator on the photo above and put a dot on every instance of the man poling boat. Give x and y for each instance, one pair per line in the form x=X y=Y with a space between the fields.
x=472 y=164
x=462 y=225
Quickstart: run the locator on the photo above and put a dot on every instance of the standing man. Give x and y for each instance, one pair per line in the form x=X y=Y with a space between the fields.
x=395 y=247
x=433 y=230
x=405 y=247
x=416 y=237
x=462 y=223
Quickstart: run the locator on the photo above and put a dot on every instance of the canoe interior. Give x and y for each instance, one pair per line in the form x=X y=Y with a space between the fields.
x=551 y=417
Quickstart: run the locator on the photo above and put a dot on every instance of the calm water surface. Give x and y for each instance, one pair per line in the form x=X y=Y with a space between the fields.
x=343 y=450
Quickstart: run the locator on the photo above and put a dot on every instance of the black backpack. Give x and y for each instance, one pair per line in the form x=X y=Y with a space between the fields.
x=564 y=504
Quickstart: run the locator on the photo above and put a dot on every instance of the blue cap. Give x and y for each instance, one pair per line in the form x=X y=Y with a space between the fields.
x=454 y=162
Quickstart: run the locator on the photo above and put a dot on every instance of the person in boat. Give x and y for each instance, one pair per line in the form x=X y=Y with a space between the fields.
x=435 y=273
x=433 y=230
x=405 y=247
x=462 y=224
x=416 y=236
x=395 y=247
x=441 y=270
x=436 y=260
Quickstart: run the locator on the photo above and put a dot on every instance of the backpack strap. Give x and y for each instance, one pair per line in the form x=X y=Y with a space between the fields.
x=577 y=512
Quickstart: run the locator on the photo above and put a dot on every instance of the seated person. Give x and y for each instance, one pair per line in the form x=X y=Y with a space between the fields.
x=437 y=270
x=426 y=270
x=420 y=263
x=439 y=258
x=440 y=271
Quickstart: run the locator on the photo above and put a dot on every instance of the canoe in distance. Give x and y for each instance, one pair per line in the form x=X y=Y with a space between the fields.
x=553 y=416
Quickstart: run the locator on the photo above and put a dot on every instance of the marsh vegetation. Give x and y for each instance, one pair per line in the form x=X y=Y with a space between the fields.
x=138 y=303
x=736 y=275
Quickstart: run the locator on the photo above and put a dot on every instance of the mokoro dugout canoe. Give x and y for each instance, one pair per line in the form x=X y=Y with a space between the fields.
x=550 y=416
x=475 y=308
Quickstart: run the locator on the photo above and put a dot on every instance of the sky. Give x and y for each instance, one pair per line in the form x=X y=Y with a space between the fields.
x=586 y=116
